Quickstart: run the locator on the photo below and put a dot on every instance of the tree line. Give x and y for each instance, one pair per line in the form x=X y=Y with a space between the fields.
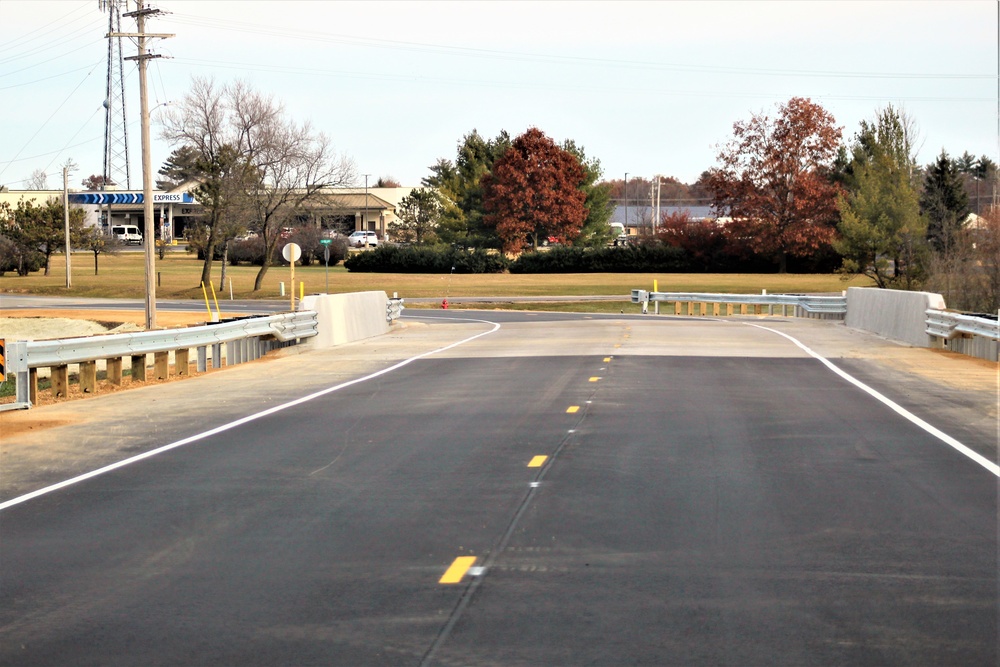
x=788 y=191
x=789 y=186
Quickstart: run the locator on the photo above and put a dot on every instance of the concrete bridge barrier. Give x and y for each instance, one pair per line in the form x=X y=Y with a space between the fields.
x=344 y=318
x=892 y=313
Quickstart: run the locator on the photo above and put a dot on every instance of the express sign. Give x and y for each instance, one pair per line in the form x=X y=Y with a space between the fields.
x=168 y=198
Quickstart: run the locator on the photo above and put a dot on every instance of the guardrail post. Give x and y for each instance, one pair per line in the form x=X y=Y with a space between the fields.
x=113 y=370
x=161 y=365
x=60 y=380
x=138 y=368
x=88 y=377
x=217 y=355
x=33 y=386
x=181 y=361
x=16 y=355
x=232 y=354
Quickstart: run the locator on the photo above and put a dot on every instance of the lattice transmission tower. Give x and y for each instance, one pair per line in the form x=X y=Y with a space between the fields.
x=116 y=167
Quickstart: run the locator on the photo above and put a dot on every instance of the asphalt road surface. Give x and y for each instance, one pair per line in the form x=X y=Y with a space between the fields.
x=554 y=490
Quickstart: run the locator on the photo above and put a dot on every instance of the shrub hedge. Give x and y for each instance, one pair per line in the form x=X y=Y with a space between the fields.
x=390 y=258
x=640 y=258
x=629 y=259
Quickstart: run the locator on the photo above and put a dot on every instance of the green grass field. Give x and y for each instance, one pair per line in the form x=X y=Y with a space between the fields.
x=179 y=273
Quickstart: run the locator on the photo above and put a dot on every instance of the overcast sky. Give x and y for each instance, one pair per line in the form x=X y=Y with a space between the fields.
x=646 y=87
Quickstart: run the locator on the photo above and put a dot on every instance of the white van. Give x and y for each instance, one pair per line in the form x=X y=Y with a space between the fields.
x=127 y=234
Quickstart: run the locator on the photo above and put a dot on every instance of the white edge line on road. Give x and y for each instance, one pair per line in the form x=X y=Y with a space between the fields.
x=896 y=407
x=239 y=422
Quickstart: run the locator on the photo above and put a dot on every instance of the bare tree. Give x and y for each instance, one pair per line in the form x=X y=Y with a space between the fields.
x=38 y=180
x=292 y=164
x=198 y=128
x=258 y=167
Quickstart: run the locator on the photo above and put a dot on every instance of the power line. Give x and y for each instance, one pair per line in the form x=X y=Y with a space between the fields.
x=24 y=69
x=298 y=35
x=26 y=37
x=523 y=85
x=46 y=78
x=47 y=47
x=49 y=119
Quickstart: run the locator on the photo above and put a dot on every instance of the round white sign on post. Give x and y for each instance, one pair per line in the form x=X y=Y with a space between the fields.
x=291 y=252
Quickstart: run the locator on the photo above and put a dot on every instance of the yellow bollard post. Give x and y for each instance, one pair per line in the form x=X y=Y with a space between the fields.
x=218 y=313
x=207 y=306
x=302 y=290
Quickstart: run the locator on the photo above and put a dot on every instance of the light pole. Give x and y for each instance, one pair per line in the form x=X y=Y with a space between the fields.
x=656 y=213
x=364 y=221
x=626 y=203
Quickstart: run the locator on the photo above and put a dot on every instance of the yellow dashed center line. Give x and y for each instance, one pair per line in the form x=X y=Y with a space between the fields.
x=454 y=574
x=607 y=360
x=538 y=461
x=594 y=379
x=572 y=409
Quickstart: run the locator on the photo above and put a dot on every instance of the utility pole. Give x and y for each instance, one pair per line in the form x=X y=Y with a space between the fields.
x=149 y=233
x=69 y=250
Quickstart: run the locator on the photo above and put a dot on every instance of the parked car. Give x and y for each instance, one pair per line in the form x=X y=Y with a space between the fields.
x=357 y=239
x=127 y=234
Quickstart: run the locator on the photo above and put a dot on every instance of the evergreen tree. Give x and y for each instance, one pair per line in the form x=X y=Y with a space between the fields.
x=459 y=183
x=596 y=228
x=182 y=165
x=419 y=213
x=41 y=228
x=944 y=202
x=881 y=229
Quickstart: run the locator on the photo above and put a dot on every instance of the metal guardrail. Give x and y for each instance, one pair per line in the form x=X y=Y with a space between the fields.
x=394 y=309
x=25 y=356
x=820 y=305
x=974 y=335
x=942 y=324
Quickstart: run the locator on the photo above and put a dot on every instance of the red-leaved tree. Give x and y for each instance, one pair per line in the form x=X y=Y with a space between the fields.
x=703 y=241
x=534 y=192
x=774 y=182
